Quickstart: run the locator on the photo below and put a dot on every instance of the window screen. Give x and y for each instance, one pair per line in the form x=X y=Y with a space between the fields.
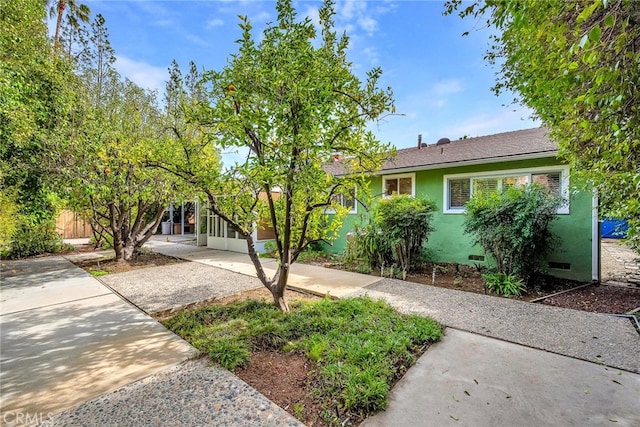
x=550 y=180
x=459 y=192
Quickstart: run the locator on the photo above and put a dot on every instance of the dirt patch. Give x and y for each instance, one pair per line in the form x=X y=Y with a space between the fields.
x=599 y=299
x=79 y=249
x=284 y=378
x=259 y=294
x=103 y=266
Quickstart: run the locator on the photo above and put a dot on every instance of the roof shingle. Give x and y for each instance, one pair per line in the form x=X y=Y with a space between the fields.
x=484 y=149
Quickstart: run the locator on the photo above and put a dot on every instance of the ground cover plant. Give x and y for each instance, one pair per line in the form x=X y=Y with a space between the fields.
x=358 y=346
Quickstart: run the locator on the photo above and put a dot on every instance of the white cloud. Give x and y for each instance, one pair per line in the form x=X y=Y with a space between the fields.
x=260 y=17
x=368 y=24
x=371 y=53
x=196 y=39
x=356 y=13
x=145 y=75
x=349 y=10
x=491 y=122
x=216 y=22
x=313 y=14
x=448 y=86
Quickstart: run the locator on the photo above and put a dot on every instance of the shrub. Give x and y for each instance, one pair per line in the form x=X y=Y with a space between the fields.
x=514 y=228
x=270 y=248
x=34 y=239
x=406 y=222
x=395 y=235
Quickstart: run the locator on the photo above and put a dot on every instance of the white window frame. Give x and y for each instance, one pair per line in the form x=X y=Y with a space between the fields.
x=528 y=172
x=398 y=176
x=342 y=196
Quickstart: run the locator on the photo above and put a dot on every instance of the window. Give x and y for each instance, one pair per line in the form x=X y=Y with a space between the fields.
x=346 y=201
x=398 y=184
x=459 y=192
x=459 y=189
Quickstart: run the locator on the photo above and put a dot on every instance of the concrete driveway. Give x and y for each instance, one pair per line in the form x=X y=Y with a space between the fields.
x=66 y=338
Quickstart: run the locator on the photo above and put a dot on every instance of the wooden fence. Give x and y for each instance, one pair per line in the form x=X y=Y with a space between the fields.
x=71 y=225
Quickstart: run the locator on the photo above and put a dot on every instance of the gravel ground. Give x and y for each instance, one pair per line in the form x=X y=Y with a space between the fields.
x=191 y=394
x=594 y=337
x=176 y=285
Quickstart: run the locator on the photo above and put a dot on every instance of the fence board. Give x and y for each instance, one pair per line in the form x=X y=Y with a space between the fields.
x=71 y=225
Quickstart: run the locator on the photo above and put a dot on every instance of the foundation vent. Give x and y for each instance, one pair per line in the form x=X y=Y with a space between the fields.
x=560 y=265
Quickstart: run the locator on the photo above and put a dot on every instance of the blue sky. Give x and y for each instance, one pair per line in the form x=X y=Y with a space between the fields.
x=441 y=82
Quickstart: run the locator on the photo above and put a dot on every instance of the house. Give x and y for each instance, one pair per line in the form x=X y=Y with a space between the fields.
x=219 y=235
x=449 y=172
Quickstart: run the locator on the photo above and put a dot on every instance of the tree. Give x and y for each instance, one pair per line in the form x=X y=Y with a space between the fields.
x=76 y=14
x=577 y=65
x=35 y=100
x=117 y=124
x=288 y=103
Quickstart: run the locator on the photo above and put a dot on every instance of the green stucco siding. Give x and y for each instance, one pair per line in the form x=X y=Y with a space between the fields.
x=449 y=244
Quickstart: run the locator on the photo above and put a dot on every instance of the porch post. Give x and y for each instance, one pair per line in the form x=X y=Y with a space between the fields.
x=171 y=217
x=182 y=219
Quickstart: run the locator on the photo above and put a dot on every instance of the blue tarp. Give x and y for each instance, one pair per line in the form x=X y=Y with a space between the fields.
x=612 y=228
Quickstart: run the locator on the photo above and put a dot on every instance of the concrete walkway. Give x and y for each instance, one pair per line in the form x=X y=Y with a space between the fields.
x=318 y=280
x=66 y=339
x=502 y=362
x=471 y=380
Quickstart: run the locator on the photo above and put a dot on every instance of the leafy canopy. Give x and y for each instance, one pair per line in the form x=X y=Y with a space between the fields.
x=577 y=65
x=286 y=105
x=117 y=125
x=35 y=100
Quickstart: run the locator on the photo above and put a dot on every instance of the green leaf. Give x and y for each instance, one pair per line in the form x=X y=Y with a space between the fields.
x=609 y=21
x=595 y=34
x=587 y=12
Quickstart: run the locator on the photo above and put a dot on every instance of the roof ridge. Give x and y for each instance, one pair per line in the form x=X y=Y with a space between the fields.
x=472 y=138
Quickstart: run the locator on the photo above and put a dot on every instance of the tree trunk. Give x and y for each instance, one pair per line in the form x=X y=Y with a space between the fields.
x=278 y=299
x=62 y=4
x=117 y=247
x=278 y=288
x=129 y=251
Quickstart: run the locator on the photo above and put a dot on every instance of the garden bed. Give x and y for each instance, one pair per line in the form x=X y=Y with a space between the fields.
x=327 y=362
x=613 y=299
x=594 y=298
x=108 y=265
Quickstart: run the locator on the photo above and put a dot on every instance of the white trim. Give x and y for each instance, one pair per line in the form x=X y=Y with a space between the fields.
x=595 y=238
x=398 y=176
x=564 y=183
